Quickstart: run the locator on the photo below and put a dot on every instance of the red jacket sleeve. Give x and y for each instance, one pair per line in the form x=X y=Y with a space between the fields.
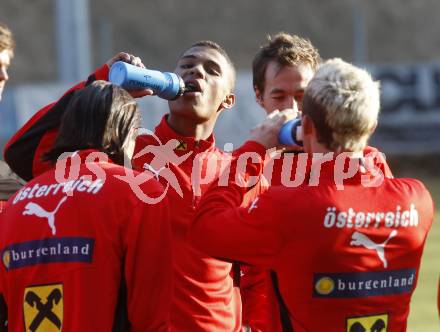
x=223 y=229
x=438 y=296
x=148 y=269
x=253 y=290
x=24 y=150
x=254 y=284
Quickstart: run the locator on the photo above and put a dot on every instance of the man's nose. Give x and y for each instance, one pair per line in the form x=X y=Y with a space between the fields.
x=294 y=104
x=291 y=103
x=299 y=104
x=197 y=71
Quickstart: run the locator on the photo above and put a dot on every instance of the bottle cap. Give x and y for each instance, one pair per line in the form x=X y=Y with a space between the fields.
x=118 y=73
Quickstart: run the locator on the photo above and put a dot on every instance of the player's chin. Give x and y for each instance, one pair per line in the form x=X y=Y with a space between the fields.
x=193 y=112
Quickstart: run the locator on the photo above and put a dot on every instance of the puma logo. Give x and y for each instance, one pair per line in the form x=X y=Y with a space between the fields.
x=253 y=205
x=359 y=239
x=36 y=210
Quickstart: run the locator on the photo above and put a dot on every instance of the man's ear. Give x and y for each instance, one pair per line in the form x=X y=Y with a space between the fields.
x=228 y=102
x=258 y=96
x=307 y=125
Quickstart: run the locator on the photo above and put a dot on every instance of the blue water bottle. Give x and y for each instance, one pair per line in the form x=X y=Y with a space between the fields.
x=165 y=85
x=291 y=133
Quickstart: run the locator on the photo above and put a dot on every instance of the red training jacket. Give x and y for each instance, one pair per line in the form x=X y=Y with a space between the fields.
x=347 y=259
x=204 y=296
x=263 y=309
x=86 y=254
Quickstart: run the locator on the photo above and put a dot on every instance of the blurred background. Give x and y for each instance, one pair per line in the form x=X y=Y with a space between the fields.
x=59 y=42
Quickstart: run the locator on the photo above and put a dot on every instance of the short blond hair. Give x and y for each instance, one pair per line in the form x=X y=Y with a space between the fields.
x=343 y=102
x=7 y=41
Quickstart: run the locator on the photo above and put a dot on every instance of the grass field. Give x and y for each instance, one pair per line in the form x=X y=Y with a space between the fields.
x=424 y=315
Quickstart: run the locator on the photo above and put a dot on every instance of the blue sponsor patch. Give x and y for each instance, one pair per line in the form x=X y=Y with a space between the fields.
x=49 y=250
x=363 y=284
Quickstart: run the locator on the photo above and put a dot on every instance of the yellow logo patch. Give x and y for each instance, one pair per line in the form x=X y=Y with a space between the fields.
x=43 y=308
x=376 y=323
x=6 y=259
x=325 y=285
x=182 y=146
